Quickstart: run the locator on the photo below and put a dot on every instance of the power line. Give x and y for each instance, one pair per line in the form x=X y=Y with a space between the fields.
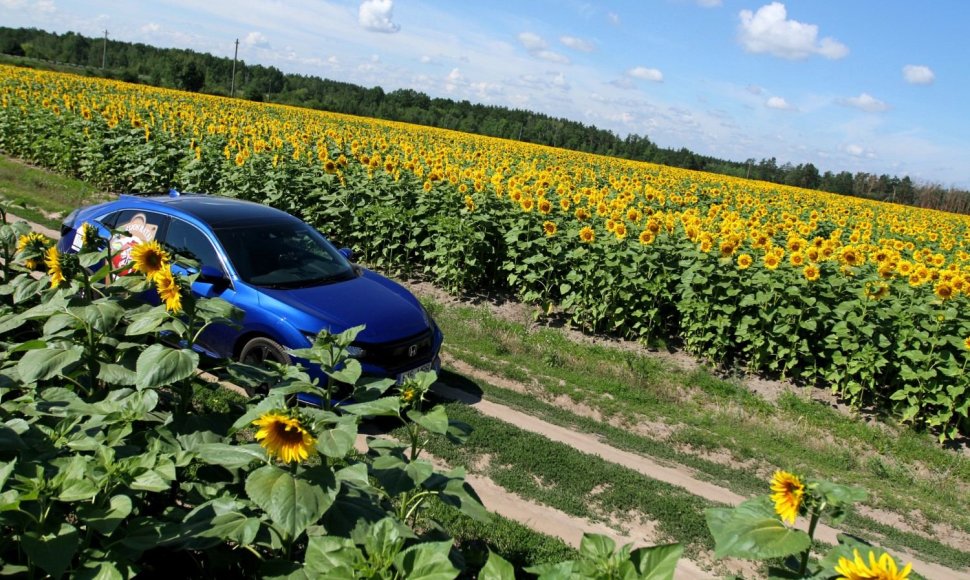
x=232 y=86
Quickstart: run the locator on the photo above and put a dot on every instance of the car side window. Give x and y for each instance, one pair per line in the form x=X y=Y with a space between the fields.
x=134 y=227
x=188 y=241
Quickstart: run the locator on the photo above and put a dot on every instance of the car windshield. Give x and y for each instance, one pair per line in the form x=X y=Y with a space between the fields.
x=286 y=254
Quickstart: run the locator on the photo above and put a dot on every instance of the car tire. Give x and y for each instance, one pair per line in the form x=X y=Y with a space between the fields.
x=261 y=349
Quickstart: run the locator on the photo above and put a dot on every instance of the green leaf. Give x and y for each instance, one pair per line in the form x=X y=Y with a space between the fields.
x=159 y=365
x=106 y=519
x=97 y=571
x=747 y=531
x=292 y=503
x=657 y=562
x=339 y=440
x=230 y=456
x=435 y=421
x=78 y=490
x=383 y=407
x=331 y=556
x=147 y=322
x=427 y=561
x=43 y=364
x=496 y=568
x=52 y=552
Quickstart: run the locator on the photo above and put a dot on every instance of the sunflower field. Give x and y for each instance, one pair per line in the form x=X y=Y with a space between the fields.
x=866 y=297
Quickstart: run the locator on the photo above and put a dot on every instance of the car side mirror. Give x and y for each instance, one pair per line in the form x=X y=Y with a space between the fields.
x=346 y=253
x=212 y=275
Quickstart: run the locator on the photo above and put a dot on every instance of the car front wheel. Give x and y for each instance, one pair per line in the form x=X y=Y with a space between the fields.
x=259 y=350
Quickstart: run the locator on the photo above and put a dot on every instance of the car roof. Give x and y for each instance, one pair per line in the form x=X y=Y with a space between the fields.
x=216 y=211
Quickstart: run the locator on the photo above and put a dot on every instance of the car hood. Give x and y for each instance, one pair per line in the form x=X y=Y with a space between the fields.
x=386 y=310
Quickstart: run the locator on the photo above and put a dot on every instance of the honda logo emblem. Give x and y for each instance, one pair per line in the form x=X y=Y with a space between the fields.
x=413 y=350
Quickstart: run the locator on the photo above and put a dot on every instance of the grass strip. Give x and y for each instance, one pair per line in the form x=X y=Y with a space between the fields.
x=41 y=196
x=719 y=416
x=576 y=483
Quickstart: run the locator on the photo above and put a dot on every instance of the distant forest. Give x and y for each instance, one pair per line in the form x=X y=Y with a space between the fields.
x=199 y=72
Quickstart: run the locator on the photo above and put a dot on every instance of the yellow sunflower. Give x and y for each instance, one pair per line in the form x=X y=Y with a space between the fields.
x=469 y=203
x=168 y=290
x=811 y=272
x=771 y=261
x=284 y=437
x=788 y=492
x=549 y=228
x=34 y=244
x=646 y=237
x=149 y=258
x=54 y=270
x=943 y=290
x=882 y=569
x=545 y=206
x=966 y=343
x=744 y=261
x=587 y=235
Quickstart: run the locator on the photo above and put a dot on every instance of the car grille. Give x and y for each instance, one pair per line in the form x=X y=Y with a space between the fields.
x=400 y=355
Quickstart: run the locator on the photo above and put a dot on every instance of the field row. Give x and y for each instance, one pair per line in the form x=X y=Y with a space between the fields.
x=866 y=297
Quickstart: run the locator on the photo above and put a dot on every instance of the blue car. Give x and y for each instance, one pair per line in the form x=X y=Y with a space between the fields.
x=287 y=278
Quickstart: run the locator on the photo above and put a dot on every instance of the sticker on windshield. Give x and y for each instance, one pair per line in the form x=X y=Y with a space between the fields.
x=138 y=230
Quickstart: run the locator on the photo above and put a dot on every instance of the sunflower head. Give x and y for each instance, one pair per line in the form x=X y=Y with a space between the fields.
x=168 y=289
x=31 y=248
x=587 y=235
x=284 y=437
x=55 y=266
x=149 y=258
x=744 y=261
x=883 y=568
x=787 y=494
x=549 y=228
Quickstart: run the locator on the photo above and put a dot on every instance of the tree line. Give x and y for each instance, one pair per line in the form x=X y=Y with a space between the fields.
x=201 y=72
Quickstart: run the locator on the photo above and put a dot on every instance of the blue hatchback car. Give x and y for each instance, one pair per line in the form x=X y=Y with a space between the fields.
x=287 y=278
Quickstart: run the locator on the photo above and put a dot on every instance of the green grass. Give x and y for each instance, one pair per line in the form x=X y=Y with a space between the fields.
x=41 y=196
x=902 y=470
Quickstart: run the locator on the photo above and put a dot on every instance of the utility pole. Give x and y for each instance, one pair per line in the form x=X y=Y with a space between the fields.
x=104 y=49
x=232 y=86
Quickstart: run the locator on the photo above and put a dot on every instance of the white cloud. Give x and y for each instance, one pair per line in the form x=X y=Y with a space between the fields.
x=150 y=28
x=778 y=103
x=577 y=43
x=647 y=74
x=453 y=80
x=41 y=6
x=376 y=15
x=916 y=74
x=257 y=39
x=614 y=18
x=425 y=59
x=770 y=31
x=531 y=41
x=538 y=48
x=866 y=102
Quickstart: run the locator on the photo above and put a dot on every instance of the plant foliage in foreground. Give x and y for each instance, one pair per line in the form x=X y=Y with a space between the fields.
x=108 y=469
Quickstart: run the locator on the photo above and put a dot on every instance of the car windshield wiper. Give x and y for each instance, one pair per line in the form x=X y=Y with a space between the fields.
x=292 y=284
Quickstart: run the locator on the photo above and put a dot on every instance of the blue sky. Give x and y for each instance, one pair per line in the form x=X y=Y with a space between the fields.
x=861 y=85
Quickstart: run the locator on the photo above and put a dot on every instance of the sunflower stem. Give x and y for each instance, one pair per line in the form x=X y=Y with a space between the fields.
x=811 y=536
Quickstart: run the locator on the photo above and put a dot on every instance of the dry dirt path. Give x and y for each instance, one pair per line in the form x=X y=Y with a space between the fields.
x=570 y=529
